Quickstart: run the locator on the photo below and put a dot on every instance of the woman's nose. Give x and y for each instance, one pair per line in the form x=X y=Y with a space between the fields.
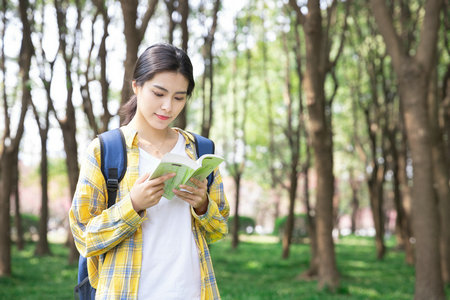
x=166 y=104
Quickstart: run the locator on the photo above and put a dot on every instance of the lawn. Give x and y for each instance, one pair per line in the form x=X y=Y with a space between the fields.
x=253 y=271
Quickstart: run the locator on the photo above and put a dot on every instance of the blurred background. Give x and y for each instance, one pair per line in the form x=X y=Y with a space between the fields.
x=333 y=117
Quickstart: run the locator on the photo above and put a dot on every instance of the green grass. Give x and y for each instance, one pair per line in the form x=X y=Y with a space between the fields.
x=254 y=271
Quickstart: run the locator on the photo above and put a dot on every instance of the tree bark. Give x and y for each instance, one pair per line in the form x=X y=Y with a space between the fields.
x=42 y=246
x=317 y=65
x=441 y=176
x=15 y=194
x=413 y=76
x=208 y=74
x=133 y=37
x=235 y=233
x=10 y=145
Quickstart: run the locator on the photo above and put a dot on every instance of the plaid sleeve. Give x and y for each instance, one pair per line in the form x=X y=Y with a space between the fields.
x=213 y=223
x=96 y=229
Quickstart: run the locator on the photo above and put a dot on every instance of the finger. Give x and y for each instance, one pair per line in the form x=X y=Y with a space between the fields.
x=198 y=182
x=160 y=180
x=142 y=178
x=188 y=188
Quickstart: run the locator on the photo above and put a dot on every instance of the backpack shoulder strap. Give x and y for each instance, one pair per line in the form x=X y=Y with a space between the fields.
x=204 y=145
x=113 y=161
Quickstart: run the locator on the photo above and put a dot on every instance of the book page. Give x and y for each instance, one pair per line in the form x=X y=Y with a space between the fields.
x=172 y=163
x=209 y=162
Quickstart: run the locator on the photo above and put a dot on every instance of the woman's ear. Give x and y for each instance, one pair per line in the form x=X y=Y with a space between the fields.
x=134 y=86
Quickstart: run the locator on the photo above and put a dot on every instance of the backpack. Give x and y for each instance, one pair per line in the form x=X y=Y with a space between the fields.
x=114 y=165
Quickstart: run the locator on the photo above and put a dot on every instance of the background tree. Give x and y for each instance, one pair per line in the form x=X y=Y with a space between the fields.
x=134 y=31
x=318 y=65
x=10 y=143
x=90 y=76
x=208 y=73
x=413 y=72
x=239 y=117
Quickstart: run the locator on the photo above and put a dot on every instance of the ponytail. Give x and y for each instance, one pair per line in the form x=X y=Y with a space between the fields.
x=128 y=110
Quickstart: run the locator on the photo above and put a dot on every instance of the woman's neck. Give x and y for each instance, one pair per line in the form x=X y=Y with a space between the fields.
x=150 y=134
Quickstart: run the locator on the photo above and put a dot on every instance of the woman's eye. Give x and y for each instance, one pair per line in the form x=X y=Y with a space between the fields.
x=179 y=98
x=157 y=94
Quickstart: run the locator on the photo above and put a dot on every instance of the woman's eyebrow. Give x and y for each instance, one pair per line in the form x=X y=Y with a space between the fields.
x=164 y=89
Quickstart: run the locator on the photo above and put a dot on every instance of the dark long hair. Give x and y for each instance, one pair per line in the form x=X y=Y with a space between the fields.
x=156 y=59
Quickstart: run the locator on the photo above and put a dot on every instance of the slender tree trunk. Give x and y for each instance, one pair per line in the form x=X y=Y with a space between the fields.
x=405 y=191
x=441 y=176
x=42 y=247
x=402 y=221
x=235 y=233
x=133 y=36
x=5 y=234
x=17 y=215
x=208 y=74
x=376 y=203
x=355 y=200
x=288 y=229
x=8 y=160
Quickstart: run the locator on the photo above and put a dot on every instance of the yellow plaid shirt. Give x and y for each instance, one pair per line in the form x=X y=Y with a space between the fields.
x=116 y=232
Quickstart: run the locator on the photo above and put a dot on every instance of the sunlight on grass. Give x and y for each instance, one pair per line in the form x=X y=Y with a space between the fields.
x=254 y=270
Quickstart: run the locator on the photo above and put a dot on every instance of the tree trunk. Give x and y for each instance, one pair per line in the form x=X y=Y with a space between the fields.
x=235 y=233
x=413 y=77
x=376 y=203
x=424 y=207
x=289 y=227
x=15 y=193
x=322 y=144
x=133 y=37
x=42 y=247
x=208 y=74
x=405 y=190
x=402 y=221
x=441 y=176
x=355 y=200
x=10 y=145
x=7 y=163
x=313 y=269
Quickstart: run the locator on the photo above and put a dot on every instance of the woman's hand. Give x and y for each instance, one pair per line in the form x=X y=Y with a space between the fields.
x=196 y=197
x=145 y=194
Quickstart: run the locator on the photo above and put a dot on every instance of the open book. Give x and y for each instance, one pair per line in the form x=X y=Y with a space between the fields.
x=185 y=168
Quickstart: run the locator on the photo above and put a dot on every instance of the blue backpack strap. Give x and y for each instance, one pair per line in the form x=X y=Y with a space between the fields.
x=114 y=165
x=113 y=161
x=204 y=146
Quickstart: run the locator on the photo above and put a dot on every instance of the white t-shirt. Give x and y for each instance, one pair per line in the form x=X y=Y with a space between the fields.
x=170 y=263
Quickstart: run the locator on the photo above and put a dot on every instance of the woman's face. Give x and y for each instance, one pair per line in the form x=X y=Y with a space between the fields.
x=161 y=99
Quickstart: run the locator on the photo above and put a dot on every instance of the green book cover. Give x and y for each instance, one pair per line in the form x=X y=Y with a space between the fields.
x=185 y=169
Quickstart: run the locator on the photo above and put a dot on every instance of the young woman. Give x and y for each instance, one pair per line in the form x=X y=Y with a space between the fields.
x=145 y=246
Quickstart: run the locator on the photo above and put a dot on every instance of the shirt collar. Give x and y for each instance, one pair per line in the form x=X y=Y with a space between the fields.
x=130 y=134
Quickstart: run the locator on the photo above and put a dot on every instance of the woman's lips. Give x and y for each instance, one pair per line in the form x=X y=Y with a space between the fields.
x=161 y=117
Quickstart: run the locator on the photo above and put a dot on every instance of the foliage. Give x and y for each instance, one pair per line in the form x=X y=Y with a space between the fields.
x=246 y=224
x=254 y=271
x=299 y=232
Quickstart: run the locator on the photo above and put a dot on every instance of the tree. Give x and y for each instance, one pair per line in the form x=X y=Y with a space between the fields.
x=89 y=75
x=208 y=74
x=181 y=7
x=413 y=72
x=10 y=143
x=292 y=132
x=68 y=49
x=239 y=117
x=318 y=65
x=133 y=36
